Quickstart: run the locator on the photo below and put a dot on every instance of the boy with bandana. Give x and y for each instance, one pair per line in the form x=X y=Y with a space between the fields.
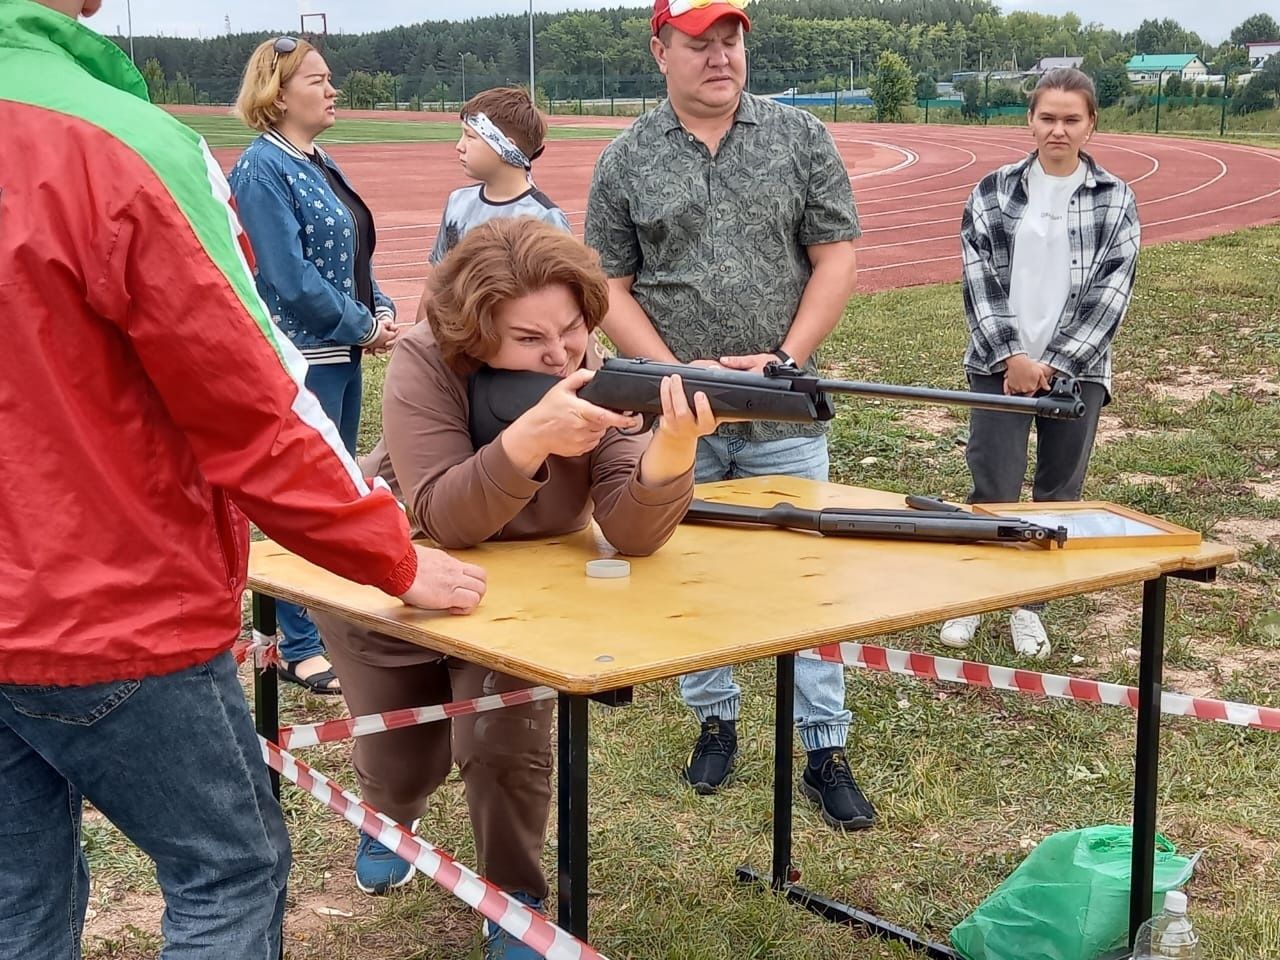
x=502 y=134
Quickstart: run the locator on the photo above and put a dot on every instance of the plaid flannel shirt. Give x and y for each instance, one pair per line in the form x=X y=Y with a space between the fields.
x=1104 y=234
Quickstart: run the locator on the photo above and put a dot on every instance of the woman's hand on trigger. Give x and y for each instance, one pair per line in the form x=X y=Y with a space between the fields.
x=560 y=424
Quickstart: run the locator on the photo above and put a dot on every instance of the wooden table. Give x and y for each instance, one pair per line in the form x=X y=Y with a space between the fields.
x=683 y=609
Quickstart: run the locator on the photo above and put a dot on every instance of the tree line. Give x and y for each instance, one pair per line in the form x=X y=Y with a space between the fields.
x=806 y=44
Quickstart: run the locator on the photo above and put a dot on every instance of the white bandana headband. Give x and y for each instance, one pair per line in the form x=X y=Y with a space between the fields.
x=489 y=132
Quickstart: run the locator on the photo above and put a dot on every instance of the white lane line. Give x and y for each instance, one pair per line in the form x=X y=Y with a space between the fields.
x=909 y=158
x=973 y=158
x=908 y=263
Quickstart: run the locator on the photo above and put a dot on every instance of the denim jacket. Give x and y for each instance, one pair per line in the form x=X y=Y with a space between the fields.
x=304 y=246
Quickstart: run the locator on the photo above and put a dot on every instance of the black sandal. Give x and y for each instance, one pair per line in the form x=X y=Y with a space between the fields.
x=317 y=683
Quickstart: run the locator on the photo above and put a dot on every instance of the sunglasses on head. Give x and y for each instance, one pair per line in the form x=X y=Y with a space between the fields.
x=281 y=46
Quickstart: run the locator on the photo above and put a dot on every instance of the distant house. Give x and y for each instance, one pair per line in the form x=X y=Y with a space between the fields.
x=1147 y=67
x=1260 y=52
x=1045 y=64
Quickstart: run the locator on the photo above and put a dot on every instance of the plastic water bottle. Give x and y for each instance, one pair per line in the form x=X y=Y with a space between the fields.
x=1170 y=935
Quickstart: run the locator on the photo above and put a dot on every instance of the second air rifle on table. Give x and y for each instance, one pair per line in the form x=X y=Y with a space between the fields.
x=931 y=520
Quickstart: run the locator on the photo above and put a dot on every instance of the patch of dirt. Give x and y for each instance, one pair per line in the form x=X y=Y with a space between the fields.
x=89 y=814
x=1268 y=383
x=1264 y=489
x=1194 y=683
x=1111 y=430
x=1243 y=533
x=1112 y=620
x=1260 y=660
x=1196 y=383
x=938 y=421
x=1208 y=681
x=1143 y=479
x=1229 y=850
x=309 y=919
x=1258 y=850
x=311 y=913
x=110 y=915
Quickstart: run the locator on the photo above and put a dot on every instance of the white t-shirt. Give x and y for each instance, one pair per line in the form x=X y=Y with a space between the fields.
x=1040 y=278
x=468 y=207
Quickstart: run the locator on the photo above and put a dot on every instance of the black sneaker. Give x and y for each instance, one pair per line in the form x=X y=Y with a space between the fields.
x=830 y=786
x=711 y=761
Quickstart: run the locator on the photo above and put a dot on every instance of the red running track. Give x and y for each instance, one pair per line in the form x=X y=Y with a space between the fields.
x=910 y=182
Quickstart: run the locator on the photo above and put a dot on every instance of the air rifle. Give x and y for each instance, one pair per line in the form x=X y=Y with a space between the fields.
x=498 y=397
x=947 y=525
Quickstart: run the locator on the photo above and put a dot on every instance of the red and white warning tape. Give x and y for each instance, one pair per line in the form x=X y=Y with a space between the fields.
x=310 y=734
x=264 y=650
x=528 y=926
x=930 y=667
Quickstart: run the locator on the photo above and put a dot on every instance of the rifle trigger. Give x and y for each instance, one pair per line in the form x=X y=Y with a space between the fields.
x=647 y=420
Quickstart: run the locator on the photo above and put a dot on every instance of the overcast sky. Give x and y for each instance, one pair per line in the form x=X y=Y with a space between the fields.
x=1213 y=21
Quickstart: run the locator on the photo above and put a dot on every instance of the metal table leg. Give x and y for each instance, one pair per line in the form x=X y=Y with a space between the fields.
x=785 y=695
x=1147 y=764
x=572 y=828
x=783 y=876
x=266 y=692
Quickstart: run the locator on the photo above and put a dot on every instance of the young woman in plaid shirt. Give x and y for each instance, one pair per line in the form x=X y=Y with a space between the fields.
x=1050 y=244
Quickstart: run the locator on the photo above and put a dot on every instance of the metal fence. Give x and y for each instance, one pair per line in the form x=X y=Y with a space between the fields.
x=830 y=95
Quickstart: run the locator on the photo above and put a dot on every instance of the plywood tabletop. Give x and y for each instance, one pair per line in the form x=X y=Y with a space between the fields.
x=717 y=595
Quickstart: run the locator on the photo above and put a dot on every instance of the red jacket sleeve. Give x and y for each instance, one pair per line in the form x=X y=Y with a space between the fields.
x=233 y=385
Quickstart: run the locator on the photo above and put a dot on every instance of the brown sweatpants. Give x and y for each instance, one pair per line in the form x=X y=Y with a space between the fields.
x=504 y=756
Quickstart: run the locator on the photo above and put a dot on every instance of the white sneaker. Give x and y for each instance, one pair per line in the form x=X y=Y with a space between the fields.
x=958 y=632
x=1029 y=638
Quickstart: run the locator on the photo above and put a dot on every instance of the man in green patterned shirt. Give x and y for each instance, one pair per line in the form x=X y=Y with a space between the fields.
x=725 y=223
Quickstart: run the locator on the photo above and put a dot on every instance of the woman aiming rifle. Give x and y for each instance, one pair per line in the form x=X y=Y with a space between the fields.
x=513 y=295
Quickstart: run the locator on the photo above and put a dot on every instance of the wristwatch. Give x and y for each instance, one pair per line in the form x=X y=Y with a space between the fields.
x=785 y=359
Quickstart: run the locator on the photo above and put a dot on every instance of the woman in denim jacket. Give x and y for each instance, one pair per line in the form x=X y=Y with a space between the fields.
x=312 y=239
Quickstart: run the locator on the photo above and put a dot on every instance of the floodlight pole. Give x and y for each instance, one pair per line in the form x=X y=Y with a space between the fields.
x=1159 y=84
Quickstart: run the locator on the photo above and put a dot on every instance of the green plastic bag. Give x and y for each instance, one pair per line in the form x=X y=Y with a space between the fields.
x=1068 y=900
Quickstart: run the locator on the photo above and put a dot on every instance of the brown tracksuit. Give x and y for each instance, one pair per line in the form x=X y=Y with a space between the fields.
x=459 y=497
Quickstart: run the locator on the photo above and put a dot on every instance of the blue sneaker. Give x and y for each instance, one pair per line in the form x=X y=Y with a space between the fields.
x=500 y=945
x=379 y=869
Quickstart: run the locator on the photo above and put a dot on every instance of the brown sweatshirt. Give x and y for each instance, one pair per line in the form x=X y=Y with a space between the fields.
x=459 y=496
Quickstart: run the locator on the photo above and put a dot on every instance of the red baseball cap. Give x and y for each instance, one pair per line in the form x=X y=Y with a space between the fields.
x=693 y=17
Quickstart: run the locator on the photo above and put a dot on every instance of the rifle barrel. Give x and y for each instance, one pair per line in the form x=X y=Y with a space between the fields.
x=1062 y=403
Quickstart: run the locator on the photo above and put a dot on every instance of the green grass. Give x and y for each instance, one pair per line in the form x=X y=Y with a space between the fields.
x=229 y=131
x=964 y=778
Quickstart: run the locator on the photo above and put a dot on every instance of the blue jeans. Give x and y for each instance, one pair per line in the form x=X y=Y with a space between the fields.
x=820 y=714
x=172 y=761
x=338 y=387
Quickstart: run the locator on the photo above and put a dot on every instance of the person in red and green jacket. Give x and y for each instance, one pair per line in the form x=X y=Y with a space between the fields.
x=145 y=401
